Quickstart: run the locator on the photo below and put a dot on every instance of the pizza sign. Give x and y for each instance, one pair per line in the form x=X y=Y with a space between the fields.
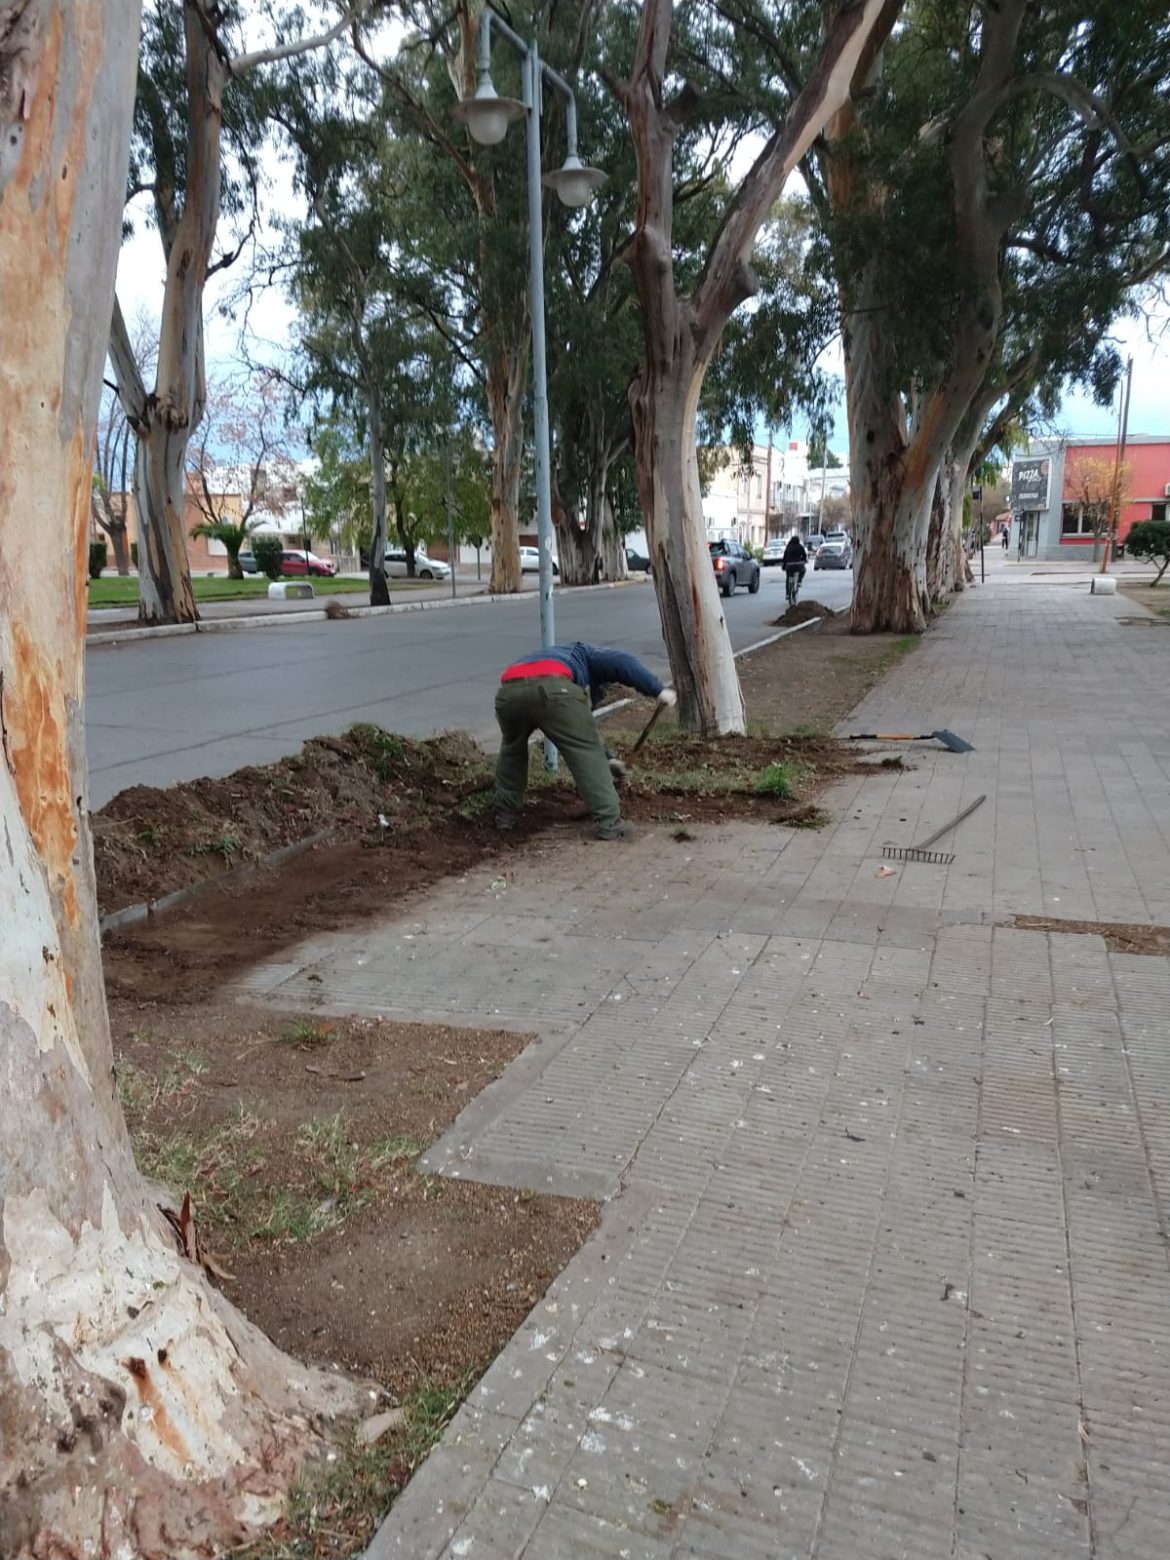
x=1030 y=479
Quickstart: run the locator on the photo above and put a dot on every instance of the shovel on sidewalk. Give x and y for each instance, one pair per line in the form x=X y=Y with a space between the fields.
x=949 y=740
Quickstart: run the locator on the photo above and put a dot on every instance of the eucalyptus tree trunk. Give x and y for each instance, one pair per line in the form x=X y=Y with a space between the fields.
x=507 y=375
x=613 y=542
x=142 y=1416
x=681 y=333
x=165 y=420
x=898 y=459
x=581 y=518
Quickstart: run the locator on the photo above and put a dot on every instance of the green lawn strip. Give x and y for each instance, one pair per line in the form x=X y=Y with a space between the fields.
x=122 y=591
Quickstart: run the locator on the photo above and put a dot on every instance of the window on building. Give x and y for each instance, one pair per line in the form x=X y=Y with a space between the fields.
x=1157 y=511
x=759 y=486
x=1074 y=521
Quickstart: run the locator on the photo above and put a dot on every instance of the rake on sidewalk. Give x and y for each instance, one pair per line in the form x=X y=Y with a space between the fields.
x=922 y=851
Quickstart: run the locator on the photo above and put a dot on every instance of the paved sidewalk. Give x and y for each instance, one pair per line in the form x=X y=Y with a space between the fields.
x=883 y=1267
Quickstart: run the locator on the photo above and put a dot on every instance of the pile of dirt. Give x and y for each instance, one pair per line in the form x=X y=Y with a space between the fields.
x=364 y=785
x=805 y=612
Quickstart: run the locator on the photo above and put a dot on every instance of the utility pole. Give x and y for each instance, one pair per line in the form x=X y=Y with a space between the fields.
x=1115 y=495
x=450 y=521
x=977 y=496
x=821 y=510
x=768 y=488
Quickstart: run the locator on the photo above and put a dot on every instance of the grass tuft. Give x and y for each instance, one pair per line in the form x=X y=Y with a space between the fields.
x=336 y=1506
x=779 y=780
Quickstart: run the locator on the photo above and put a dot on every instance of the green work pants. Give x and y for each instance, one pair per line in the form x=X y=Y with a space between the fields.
x=559 y=709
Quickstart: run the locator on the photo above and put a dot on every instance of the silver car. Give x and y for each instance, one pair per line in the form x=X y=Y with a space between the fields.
x=835 y=552
x=773 y=550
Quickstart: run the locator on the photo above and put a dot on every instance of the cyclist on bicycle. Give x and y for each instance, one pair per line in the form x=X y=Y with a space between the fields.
x=794 y=560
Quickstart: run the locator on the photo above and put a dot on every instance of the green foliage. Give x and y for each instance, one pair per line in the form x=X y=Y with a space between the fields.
x=232 y=536
x=99 y=556
x=1150 y=539
x=268 y=552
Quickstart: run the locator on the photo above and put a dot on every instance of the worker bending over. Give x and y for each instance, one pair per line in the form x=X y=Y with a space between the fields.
x=555 y=692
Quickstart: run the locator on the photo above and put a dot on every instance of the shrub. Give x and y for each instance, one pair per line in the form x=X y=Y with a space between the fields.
x=99 y=556
x=1150 y=539
x=268 y=551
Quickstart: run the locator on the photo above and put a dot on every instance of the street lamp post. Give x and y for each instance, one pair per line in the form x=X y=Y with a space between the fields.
x=487 y=117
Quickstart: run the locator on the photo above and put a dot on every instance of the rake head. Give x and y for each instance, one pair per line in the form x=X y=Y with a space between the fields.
x=932 y=858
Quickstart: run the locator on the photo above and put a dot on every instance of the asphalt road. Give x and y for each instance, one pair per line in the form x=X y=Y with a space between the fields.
x=163 y=710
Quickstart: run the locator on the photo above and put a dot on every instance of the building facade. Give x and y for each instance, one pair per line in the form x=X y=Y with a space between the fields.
x=1063 y=522
x=771 y=494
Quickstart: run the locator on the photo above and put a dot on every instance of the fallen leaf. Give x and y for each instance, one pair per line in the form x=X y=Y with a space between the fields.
x=887 y=872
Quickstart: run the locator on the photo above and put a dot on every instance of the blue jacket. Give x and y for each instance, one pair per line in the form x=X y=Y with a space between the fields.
x=595 y=668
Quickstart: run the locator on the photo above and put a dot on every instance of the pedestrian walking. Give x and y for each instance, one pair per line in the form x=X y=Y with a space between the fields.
x=555 y=692
x=1005 y=539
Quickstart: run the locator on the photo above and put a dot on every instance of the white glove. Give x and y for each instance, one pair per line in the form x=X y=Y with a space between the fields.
x=667 y=699
x=618 y=770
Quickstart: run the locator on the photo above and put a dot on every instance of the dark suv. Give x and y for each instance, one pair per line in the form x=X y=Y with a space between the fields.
x=734 y=566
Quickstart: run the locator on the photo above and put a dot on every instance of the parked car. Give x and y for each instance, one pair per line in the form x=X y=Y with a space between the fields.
x=530 y=561
x=637 y=562
x=424 y=568
x=248 y=561
x=734 y=566
x=302 y=562
x=835 y=552
x=813 y=544
x=773 y=550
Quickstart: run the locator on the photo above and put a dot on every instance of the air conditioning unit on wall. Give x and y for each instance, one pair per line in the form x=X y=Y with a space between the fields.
x=1166 y=491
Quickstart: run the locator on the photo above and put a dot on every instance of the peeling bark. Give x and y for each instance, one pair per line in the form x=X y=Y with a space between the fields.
x=142 y=1417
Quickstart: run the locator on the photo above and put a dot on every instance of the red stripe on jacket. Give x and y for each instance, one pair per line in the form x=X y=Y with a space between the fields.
x=525 y=669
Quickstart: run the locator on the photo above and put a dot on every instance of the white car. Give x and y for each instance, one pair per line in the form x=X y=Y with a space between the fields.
x=530 y=561
x=424 y=568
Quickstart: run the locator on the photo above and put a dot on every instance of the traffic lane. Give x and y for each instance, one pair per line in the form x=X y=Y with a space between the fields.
x=163 y=710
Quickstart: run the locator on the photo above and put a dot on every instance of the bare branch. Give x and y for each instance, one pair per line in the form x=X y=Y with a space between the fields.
x=243 y=63
x=130 y=389
x=727 y=278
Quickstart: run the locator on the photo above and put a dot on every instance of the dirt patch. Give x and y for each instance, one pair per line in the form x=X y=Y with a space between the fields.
x=1156 y=598
x=297 y=1139
x=804 y=684
x=1120 y=936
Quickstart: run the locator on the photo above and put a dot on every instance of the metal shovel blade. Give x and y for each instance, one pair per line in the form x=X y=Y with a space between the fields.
x=952 y=743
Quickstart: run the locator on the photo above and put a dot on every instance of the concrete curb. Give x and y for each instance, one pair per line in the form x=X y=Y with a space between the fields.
x=129 y=633
x=133 y=915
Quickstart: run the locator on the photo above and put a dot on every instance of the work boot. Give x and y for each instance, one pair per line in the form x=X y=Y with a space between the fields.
x=507 y=822
x=623 y=829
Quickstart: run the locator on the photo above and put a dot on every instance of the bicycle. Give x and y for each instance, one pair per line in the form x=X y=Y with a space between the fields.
x=792 y=580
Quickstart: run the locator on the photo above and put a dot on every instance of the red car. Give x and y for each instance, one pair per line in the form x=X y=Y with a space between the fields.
x=305 y=563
